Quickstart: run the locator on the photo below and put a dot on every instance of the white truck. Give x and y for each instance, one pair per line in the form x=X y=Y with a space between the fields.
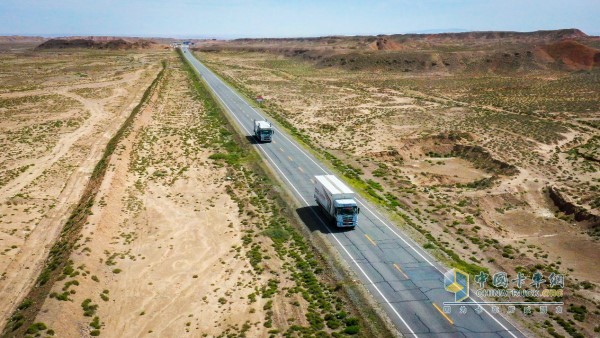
x=263 y=131
x=337 y=201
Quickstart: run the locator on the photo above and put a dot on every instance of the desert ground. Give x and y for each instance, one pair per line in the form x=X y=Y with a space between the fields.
x=186 y=234
x=497 y=163
x=58 y=111
x=129 y=207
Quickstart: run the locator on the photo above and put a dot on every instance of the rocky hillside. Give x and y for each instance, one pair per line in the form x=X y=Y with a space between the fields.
x=497 y=52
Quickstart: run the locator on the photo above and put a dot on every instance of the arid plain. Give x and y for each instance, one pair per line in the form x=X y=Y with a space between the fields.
x=178 y=231
x=481 y=144
x=129 y=207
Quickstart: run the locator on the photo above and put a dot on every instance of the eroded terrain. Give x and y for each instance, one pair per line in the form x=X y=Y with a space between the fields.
x=484 y=165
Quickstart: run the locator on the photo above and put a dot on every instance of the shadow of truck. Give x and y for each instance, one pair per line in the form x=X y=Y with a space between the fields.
x=314 y=219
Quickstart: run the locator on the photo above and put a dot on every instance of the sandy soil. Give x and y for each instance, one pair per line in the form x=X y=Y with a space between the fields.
x=389 y=124
x=437 y=171
x=52 y=150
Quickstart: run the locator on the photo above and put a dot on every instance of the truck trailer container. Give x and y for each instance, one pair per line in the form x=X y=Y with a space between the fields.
x=337 y=201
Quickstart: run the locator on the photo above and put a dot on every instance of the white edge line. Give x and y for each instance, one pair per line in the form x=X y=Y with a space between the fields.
x=373 y=213
x=497 y=321
x=319 y=218
x=328 y=229
x=384 y=223
x=281 y=134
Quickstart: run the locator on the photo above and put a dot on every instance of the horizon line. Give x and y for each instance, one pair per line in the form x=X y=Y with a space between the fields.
x=240 y=36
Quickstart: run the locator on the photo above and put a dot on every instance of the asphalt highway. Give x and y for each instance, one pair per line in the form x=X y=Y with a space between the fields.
x=402 y=277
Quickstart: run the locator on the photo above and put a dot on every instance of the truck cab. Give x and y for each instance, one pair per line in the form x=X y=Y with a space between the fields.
x=263 y=131
x=346 y=213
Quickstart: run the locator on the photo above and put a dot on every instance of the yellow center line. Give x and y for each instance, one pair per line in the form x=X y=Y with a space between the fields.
x=443 y=314
x=402 y=272
x=370 y=240
x=300 y=168
x=290 y=158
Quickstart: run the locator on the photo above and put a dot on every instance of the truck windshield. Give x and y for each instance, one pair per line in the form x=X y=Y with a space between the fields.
x=346 y=210
x=266 y=132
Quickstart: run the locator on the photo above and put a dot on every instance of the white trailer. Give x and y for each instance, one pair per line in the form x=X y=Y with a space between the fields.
x=263 y=131
x=336 y=200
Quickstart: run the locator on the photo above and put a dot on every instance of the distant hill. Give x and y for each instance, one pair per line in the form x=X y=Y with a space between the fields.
x=571 y=33
x=21 y=39
x=96 y=43
x=498 y=52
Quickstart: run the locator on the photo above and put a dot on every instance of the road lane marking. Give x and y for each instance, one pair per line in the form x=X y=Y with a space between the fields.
x=300 y=168
x=386 y=301
x=285 y=137
x=497 y=321
x=362 y=204
x=370 y=240
x=219 y=81
x=290 y=158
x=443 y=314
x=402 y=272
x=281 y=149
x=312 y=180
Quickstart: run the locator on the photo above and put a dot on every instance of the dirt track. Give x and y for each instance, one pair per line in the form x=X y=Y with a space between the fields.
x=54 y=178
x=165 y=220
x=183 y=236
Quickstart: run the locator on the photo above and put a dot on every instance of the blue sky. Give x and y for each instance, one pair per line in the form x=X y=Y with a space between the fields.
x=270 y=18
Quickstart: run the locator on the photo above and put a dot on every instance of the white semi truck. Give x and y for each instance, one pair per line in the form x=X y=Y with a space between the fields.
x=263 y=131
x=337 y=201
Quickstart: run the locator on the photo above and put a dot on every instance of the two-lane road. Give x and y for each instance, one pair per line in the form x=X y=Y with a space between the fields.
x=401 y=276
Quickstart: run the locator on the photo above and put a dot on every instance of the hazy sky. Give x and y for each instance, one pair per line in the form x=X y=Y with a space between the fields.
x=270 y=18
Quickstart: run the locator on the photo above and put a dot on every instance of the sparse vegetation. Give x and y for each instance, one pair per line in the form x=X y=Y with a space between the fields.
x=58 y=266
x=460 y=164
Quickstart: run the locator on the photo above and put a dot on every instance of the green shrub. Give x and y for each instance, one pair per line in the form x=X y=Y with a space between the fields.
x=351 y=330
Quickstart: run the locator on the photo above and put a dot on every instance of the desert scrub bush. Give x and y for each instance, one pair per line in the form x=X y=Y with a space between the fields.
x=104 y=295
x=579 y=312
x=69 y=283
x=35 y=328
x=270 y=289
x=64 y=296
x=95 y=323
x=89 y=309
